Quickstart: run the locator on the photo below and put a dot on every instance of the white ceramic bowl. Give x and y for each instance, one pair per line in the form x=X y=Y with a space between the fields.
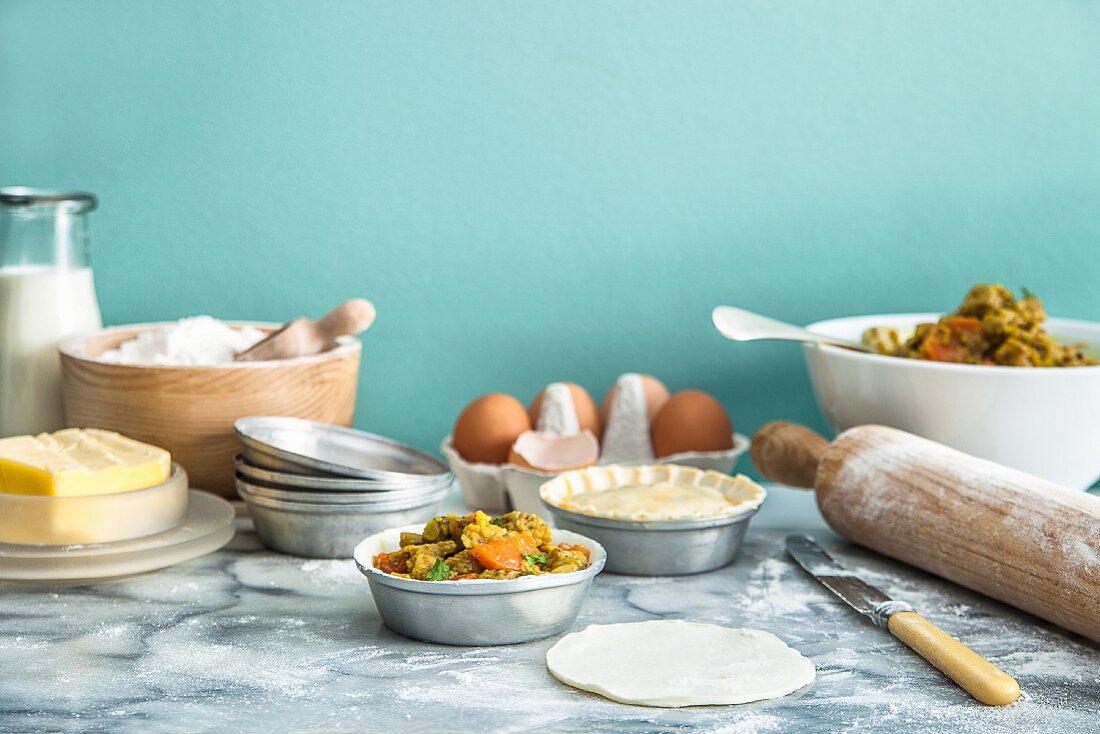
x=1045 y=421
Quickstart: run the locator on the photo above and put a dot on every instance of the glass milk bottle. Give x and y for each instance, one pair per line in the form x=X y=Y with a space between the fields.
x=46 y=295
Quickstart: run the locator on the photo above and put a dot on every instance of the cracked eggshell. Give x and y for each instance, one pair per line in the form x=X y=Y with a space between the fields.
x=627 y=410
x=565 y=408
x=548 y=452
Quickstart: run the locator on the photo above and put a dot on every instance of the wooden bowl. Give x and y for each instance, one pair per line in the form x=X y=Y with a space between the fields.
x=190 y=410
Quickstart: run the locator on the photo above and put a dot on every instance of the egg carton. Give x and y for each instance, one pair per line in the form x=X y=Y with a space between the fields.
x=498 y=488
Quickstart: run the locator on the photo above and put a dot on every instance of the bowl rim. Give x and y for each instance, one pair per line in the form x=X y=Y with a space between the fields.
x=926 y=365
x=71 y=349
x=483 y=587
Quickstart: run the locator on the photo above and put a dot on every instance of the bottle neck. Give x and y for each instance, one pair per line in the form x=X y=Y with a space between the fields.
x=49 y=234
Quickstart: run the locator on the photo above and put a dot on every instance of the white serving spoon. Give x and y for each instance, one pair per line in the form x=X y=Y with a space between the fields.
x=745 y=326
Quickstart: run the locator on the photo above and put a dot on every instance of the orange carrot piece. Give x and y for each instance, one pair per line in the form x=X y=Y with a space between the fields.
x=938 y=351
x=962 y=323
x=391 y=562
x=505 y=553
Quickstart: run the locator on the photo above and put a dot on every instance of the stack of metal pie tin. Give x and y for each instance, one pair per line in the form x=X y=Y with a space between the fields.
x=316 y=490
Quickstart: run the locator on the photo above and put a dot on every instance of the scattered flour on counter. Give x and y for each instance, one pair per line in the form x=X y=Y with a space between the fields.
x=768 y=592
x=753 y=723
x=353 y=656
x=227 y=666
x=117 y=630
x=19 y=642
x=433 y=660
x=1052 y=664
x=198 y=340
x=338 y=571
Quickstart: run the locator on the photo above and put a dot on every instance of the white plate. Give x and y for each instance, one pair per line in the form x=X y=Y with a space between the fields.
x=208 y=526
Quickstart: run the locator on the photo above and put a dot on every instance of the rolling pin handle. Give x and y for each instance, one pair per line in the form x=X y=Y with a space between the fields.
x=788 y=453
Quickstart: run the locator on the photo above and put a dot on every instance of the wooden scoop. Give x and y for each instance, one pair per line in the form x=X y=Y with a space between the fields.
x=303 y=336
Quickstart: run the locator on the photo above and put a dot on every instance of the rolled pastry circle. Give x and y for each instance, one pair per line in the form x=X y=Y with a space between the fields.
x=672 y=663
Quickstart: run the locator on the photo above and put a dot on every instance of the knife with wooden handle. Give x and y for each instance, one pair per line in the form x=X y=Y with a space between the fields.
x=977 y=676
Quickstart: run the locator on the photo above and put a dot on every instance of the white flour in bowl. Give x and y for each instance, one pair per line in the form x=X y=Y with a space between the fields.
x=198 y=340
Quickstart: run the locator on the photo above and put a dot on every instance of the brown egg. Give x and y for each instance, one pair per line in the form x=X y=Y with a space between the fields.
x=656 y=395
x=487 y=428
x=587 y=415
x=691 y=421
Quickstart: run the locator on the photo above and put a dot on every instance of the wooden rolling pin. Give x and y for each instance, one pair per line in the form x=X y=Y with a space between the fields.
x=1017 y=538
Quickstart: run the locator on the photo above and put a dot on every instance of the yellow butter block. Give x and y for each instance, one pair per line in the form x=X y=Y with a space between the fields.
x=79 y=462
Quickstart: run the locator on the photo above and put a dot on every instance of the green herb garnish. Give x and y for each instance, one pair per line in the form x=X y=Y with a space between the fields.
x=440 y=571
x=1026 y=292
x=534 y=558
x=497 y=521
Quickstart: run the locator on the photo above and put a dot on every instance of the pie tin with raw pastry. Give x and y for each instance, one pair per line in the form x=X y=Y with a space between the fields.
x=656 y=547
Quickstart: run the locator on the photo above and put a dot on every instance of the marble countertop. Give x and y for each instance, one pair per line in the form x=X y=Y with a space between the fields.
x=248 y=640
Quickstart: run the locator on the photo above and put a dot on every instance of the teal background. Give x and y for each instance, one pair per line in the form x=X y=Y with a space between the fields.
x=564 y=190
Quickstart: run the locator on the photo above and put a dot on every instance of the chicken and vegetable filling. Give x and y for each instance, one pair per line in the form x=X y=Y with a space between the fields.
x=477 y=546
x=991 y=327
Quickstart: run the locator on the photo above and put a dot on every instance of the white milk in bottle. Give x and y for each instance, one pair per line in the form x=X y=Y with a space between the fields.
x=46 y=295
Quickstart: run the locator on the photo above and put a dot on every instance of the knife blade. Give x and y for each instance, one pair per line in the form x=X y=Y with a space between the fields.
x=856 y=593
x=974 y=674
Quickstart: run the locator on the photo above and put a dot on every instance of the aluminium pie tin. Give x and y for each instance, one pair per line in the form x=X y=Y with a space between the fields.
x=329 y=483
x=297 y=446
